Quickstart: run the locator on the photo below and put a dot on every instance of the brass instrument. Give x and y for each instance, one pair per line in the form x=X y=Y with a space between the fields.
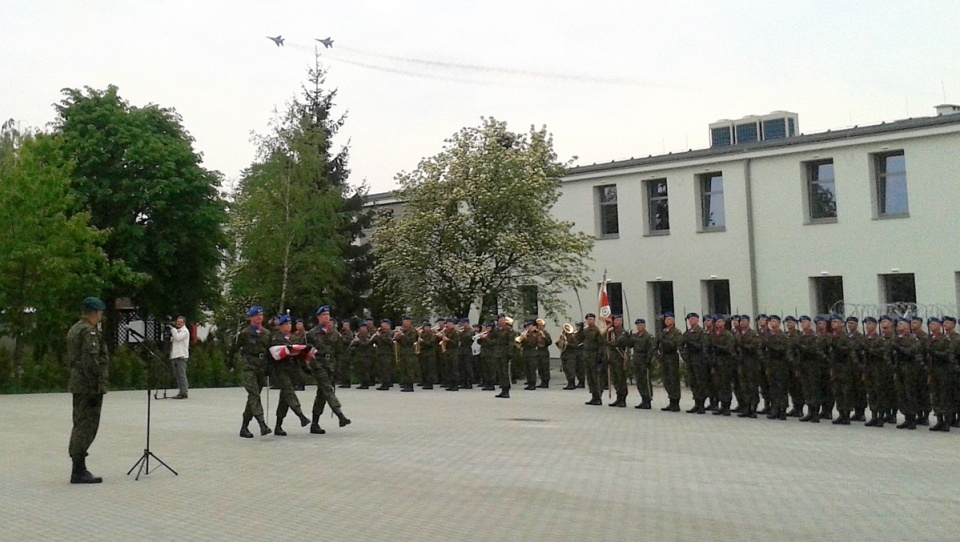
x=442 y=337
x=481 y=335
x=518 y=341
x=509 y=321
x=540 y=323
x=416 y=345
x=564 y=341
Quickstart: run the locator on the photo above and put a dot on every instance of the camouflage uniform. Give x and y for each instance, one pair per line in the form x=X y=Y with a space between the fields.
x=543 y=358
x=285 y=371
x=643 y=345
x=253 y=343
x=693 y=346
x=668 y=345
x=324 y=344
x=593 y=364
x=89 y=370
x=618 y=343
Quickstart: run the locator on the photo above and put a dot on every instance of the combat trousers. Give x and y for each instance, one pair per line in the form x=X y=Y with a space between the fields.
x=325 y=392
x=777 y=377
x=568 y=362
x=581 y=368
x=505 y=369
x=618 y=374
x=284 y=373
x=858 y=387
x=670 y=366
x=408 y=368
x=366 y=364
x=749 y=382
x=488 y=368
x=722 y=380
x=385 y=366
x=923 y=389
x=644 y=382
x=543 y=366
x=428 y=368
x=880 y=385
x=451 y=364
x=945 y=382
x=764 y=381
x=699 y=378
x=254 y=380
x=795 y=385
x=811 y=375
x=529 y=360
x=86 y=422
x=593 y=369
x=842 y=388
x=908 y=386
x=466 y=367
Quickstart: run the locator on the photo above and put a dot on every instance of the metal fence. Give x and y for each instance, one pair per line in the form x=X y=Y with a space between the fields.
x=900 y=309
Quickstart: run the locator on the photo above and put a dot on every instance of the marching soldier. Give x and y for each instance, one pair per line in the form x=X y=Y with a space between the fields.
x=323 y=337
x=543 y=353
x=748 y=344
x=708 y=363
x=592 y=343
x=253 y=343
x=89 y=369
x=668 y=343
x=692 y=345
x=284 y=371
x=618 y=342
x=858 y=390
x=386 y=354
x=826 y=384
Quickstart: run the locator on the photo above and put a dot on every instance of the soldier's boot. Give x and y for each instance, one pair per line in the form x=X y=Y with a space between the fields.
x=697 y=405
x=796 y=411
x=782 y=413
x=344 y=421
x=571 y=385
x=244 y=431
x=924 y=418
x=772 y=413
x=264 y=428
x=766 y=408
x=316 y=429
x=646 y=402
x=747 y=412
x=594 y=400
x=892 y=416
x=843 y=418
x=80 y=474
x=383 y=387
x=616 y=402
x=504 y=394
x=304 y=421
x=738 y=409
x=278 y=429
x=724 y=408
x=956 y=421
x=406 y=387
x=939 y=425
x=826 y=413
x=812 y=412
x=675 y=405
x=711 y=405
x=859 y=415
x=719 y=411
x=906 y=422
x=581 y=384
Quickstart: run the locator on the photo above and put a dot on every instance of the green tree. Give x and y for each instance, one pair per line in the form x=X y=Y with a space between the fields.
x=136 y=172
x=51 y=255
x=295 y=220
x=477 y=230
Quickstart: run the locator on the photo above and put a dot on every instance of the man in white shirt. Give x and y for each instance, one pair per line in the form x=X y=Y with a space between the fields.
x=179 y=353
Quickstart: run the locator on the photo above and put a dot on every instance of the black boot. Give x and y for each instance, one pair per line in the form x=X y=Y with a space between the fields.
x=765 y=409
x=843 y=418
x=772 y=415
x=711 y=405
x=264 y=428
x=725 y=408
x=80 y=474
x=244 y=432
x=571 y=385
x=859 y=415
x=304 y=421
x=645 y=403
x=796 y=411
x=747 y=412
x=892 y=416
x=909 y=422
x=594 y=400
x=406 y=387
x=316 y=429
x=453 y=387
x=697 y=405
x=738 y=409
x=826 y=413
x=924 y=418
x=956 y=421
x=383 y=387
x=504 y=394
x=344 y=421
x=581 y=385
x=812 y=412
x=278 y=430
x=939 y=425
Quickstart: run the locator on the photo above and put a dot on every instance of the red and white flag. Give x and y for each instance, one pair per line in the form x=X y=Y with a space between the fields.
x=605 y=316
x=286 y=351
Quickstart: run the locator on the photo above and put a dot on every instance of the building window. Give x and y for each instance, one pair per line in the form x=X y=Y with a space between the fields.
x=821 y=190
x=721 y=137
x=661 y=297
x=791 y=128
x=528 y=301
x=827 y=293
x=775 y=129
x=891 y=178
x=658 y=207
x=899 y=288
x=747 y=133
x=717 y=294
x=615 y=297
x=712 y=217
x=609 y=214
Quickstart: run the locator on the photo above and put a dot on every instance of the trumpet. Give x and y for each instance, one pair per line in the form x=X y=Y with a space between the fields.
x=481 y=335
x=518 y=341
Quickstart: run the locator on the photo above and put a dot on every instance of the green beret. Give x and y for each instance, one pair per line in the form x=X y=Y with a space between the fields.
x=93 y=304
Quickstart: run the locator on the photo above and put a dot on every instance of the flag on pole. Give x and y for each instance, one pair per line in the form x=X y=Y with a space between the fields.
x=605 y=316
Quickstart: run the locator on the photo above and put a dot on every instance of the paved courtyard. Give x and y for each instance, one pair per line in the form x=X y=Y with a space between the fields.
x=434 y=465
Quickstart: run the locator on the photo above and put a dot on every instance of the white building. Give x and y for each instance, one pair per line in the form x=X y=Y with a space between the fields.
x=788 y=224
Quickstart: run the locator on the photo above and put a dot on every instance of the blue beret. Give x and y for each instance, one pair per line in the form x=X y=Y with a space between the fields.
x=886 y=317
x=790 y=318
x=426 y=323
x=820 y=318
x=762 y=317
x=639 y=321
x=464 y=320
x=804 y=318
x=386 y=321
x=254 y=310
x=368 y=319
x=590 y=315
x=853 y=319
x=620 y=316
x=692 y=315
x=450 y=321
x=934 y=319
x=363 y=325
x=94 y=304
x=488 y=324
x=707 y=317
x=836 y=317
x=916 y=319
x=744 y=316
x=502 y=315
x=904 y=320
x=869 y=320
x=406 y=318
x=950 y=319
x=529 y=323
x=719 y=317
x=284 y=320
x=773 y=317
x=668 y=314
x=322 y=310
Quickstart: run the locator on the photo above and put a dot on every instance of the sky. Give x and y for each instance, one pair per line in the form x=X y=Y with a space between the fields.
x=610 y=80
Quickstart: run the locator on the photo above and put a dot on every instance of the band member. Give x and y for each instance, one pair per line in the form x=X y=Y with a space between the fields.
x=503 y=348
x=568 y=355
x=527 y=343
x=386 y=353
x=405 y=340
x=543 y=354
x=363 y=355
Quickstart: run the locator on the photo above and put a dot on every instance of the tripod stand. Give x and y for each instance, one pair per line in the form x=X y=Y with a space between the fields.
x=144 y=462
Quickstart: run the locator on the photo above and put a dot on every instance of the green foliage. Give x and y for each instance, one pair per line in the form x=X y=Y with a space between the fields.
x=7 y=376
x=477 y=229
x=136 y=173
x=51 y=255
x=295 y=220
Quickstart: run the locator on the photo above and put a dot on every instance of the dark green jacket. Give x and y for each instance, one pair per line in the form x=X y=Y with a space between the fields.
x=88 y=357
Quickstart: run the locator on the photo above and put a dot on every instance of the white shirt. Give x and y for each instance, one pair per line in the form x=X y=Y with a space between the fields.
x=180 y=343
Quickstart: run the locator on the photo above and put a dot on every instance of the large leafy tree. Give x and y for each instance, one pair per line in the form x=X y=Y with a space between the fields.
x=51 y=255
x=295 y=220
x=136 y=172
x=476 y=230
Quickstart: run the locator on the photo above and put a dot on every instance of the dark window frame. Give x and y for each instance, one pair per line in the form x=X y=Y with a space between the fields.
x=604 y=205
x=882 y=178
x=707 y=192
x=653 y=201
x=814 y=187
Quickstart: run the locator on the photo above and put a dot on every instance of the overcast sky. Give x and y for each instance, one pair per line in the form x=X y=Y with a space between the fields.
x=610 y=79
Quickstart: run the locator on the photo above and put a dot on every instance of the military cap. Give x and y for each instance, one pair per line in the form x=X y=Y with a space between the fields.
x=590 y=315
x=836 y=317
x=620 y=316
x=904 y=320
x=718 y=317
x=950 y=319
x=502 y=315
x=254 y=310
x=426 y=322
x=886 y=317
x=368 y=319
x=639 y=321
x=773 y=317
x=934 y=319
x=386 y=321
x=464 y=320
x=805 y=318
x=819 y=318
x=916 y=318
x=321 y=310
x=744 y=316
x=668 y=314
x=406 y=318
x=708 y=318
x=869 y=320
x=762 y=317
x=488 y=324
x=853 y=319
x=284 y=320
x=94 y=304
x=692 y=315
x=363 y=324
x=790 y=318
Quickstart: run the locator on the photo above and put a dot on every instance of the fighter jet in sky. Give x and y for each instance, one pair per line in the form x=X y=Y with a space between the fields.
x=327 y=43
x=278 y=40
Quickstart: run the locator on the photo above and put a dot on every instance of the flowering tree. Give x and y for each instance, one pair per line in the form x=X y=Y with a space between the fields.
x=476 y=229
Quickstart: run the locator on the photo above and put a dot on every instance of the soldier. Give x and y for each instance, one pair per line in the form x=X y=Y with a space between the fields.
x=810 y=352
x=592 y=343
x=668 y=343
x=841 y=359
x=363 y=355
x=345 y=355
x=644 y=346
x=775 y=351
x=888 y=336
x=794 y=383
x=762 y=329
x=449 y=354
x=427 y=356
x=923 y=386
x=949 y=331
x=406 y=339
x=89 y=370
x=618 y=342
x=905 y=351
x=748 y=344
x=323 y=338
x=386 y=354
x=284 y=369
x=693 y=354
x=252 y=343
x=858 y=390
x=877 y=372
x=826 y=384
x=723 y=346
x=503 y=340
x=464 y=334
x=528 y=353
x=488 y=360
x=543 y=354
x=943 y=366
x=580 y=366
x=566 y=343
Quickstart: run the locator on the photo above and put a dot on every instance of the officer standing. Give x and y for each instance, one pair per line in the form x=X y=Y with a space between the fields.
x=592 y=341
x=668 y=344
x=618 y=342
x=253 y=342
x=89 y=366
x=644 y=345
x=692 y=346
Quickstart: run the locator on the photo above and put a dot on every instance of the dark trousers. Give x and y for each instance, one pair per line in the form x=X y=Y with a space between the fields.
x=86 y=422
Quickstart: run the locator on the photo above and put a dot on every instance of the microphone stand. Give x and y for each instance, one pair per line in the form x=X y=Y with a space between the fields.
x=144 y=462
